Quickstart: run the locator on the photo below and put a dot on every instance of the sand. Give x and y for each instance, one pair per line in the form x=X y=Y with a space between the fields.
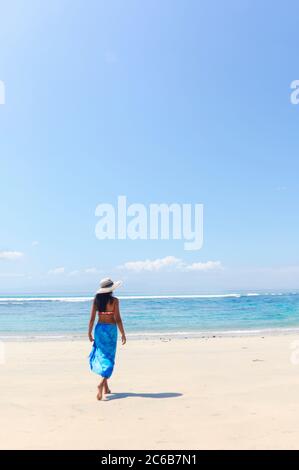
x=216 y=393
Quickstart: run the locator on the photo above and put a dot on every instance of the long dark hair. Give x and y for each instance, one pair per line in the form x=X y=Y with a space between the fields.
x=101 y=301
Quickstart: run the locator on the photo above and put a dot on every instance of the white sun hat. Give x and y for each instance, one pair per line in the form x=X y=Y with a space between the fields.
x=107 y=285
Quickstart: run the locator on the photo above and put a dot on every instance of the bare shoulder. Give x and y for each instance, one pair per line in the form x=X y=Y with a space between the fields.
x=115 y=304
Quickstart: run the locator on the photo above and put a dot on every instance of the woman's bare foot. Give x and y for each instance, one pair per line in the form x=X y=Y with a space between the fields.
x=100 y=391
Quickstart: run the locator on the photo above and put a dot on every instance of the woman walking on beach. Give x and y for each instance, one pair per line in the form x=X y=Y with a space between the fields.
x=102 y=356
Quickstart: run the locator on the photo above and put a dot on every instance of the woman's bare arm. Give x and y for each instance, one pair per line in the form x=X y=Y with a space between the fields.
x=91 y=321
x=119 y=322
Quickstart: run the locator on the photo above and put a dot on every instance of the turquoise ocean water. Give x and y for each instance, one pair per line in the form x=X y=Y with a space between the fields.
x=234 y=313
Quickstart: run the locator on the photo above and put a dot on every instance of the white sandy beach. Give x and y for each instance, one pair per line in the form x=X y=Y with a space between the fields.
x=216 y=393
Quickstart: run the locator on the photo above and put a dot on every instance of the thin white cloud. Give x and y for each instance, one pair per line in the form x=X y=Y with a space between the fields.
x=170 y=262
x=55 y=271
x=11 y=255
x=208 y=266
x=151 y=265
x=35 y=243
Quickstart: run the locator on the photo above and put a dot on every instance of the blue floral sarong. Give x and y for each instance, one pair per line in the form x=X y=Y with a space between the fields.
x=102 y=356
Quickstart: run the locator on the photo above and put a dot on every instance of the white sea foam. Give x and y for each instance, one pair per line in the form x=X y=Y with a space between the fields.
x=45 y=299
x=158 y=334
x=186 y=296
x=127 y=297
x=140 y=297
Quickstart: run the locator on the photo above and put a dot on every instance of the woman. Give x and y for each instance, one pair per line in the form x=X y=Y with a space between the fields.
x=102 y=356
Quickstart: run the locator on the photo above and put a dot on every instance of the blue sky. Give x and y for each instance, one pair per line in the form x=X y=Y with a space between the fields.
x=161 y=101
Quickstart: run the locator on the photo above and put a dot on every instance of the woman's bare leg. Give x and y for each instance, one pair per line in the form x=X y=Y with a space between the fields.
x=100 y=389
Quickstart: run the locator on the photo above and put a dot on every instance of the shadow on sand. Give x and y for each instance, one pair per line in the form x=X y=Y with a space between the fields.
x=117 y=396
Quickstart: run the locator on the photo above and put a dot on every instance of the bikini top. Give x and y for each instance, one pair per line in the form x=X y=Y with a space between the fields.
x=107 y=313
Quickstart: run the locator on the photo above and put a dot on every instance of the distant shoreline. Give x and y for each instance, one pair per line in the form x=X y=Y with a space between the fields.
x=162 y=335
